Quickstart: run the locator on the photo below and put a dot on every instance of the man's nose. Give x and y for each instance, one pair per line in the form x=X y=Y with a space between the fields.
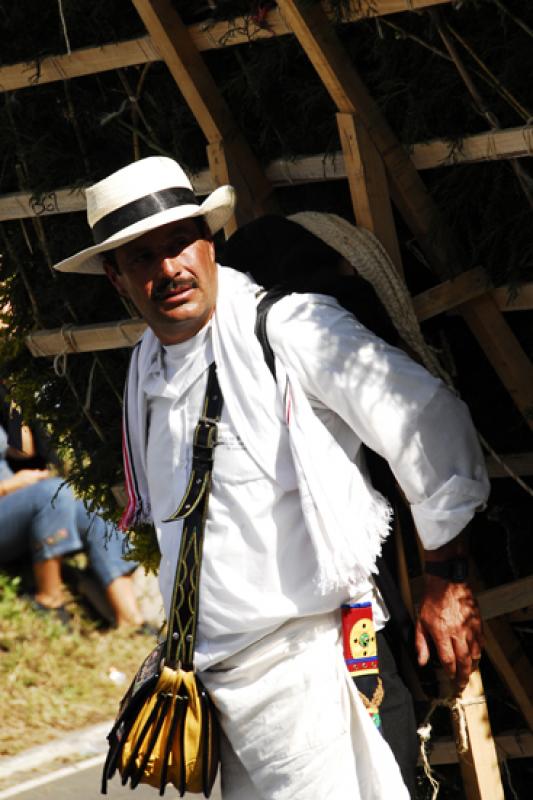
x=170 y=266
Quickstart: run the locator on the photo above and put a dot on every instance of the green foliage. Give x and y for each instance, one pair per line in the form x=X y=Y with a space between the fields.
x=54 y=681
x=145 y=548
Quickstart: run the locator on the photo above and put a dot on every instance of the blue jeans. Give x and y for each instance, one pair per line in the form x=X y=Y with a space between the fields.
x=46 y=521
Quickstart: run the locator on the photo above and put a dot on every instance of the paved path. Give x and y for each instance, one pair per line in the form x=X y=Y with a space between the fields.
x=84 y=784
x=37 y=773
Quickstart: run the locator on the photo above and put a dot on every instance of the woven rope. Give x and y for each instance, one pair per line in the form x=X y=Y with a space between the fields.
x=369 y=258
x=70 y=346
x=456 y=706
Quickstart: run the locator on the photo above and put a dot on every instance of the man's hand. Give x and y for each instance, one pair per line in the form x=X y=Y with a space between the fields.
x=449 y=616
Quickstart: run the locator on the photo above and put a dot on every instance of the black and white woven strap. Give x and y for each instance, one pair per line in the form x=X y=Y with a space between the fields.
x=192 y=510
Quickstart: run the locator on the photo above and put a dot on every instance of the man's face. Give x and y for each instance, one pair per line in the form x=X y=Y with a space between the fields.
x=171 y=277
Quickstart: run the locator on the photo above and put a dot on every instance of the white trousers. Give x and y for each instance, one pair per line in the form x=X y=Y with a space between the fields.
x=294 y=726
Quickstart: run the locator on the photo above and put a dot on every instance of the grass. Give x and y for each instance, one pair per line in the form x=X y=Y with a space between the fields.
x=51 y=680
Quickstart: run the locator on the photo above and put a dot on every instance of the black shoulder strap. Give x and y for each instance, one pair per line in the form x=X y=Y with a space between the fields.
x=263 y=307
x=183 y=616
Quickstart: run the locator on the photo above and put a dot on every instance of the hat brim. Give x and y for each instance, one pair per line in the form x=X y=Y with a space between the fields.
x=217 y=210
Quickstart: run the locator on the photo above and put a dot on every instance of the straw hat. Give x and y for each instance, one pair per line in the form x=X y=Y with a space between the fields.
x=138 y=198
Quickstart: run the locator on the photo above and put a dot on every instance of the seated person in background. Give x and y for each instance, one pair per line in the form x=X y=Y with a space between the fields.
x=41 y=517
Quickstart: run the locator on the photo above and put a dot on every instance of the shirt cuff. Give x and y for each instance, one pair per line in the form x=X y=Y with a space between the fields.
x=442 y=517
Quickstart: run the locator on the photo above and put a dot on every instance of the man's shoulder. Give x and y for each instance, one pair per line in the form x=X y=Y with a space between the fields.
x=300 y=311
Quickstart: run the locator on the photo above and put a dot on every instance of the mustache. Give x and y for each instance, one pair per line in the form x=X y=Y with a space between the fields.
x=169 y=284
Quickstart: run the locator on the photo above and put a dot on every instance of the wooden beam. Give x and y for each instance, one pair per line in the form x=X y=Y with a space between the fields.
x=22 y=205
x=206 y=102
x=514 y=298
x=513 y=744
x=194 y=81
x=450 y=294
x=478 y=762
x=92 y=60
x=86 y=338
x=280 y=172
x=78 y=63
x=368 y=185
x=506 y=598
x=487 y=146
x=467 y=286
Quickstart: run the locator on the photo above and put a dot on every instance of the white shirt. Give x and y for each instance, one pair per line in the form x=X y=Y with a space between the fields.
x=258 y=568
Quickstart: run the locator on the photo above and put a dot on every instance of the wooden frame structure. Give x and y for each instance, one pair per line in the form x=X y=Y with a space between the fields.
x=380 y=173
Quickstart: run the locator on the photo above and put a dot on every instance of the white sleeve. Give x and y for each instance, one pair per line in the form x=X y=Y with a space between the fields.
x=392 y=404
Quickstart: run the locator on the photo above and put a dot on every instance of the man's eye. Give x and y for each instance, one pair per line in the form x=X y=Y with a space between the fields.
x=180 y=243
x=141 y=258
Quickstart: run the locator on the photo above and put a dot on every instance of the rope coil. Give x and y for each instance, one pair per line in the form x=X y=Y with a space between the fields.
x=69 y=346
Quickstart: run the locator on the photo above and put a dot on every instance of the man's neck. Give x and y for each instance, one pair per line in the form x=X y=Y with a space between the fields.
x=170 y=335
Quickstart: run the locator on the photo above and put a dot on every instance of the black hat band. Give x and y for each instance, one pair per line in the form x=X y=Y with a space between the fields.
x=140 y=209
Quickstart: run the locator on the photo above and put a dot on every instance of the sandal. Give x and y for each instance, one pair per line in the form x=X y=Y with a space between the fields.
x=60 y=613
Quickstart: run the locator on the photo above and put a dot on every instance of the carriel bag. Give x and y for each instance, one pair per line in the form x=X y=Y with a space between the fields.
x=166 y=730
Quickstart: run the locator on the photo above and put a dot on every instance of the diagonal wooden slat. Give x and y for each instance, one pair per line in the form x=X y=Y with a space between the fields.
x=207 y=104
x=318 y=39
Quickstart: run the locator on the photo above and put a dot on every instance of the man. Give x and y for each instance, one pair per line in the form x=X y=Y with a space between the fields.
x=293 y=528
